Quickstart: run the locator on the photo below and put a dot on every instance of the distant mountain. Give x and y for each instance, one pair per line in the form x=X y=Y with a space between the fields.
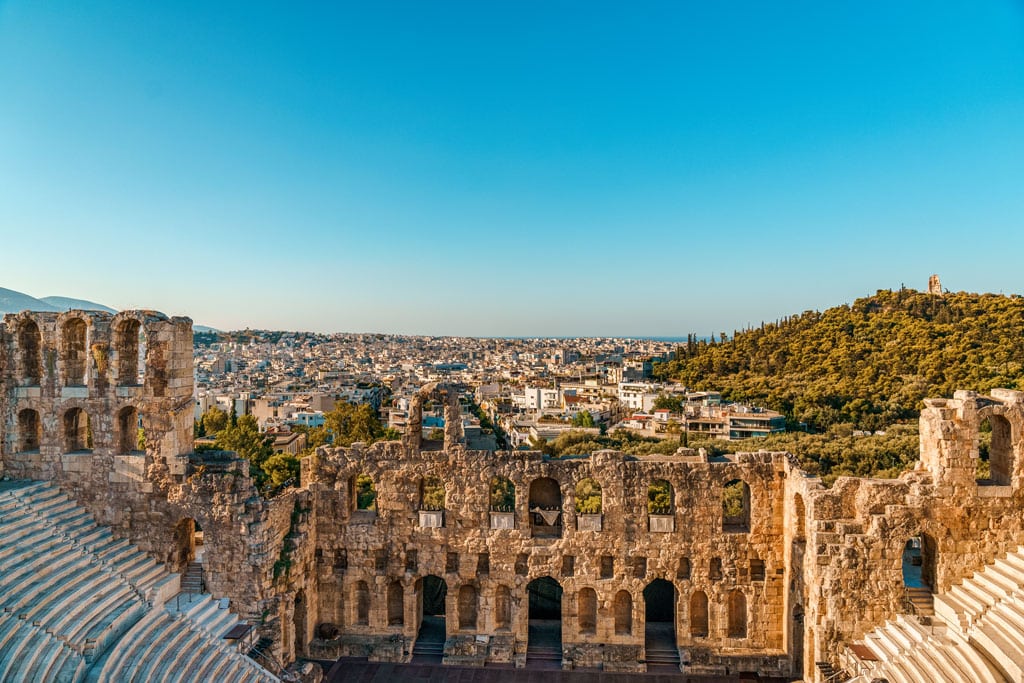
x=63 y=303
x=15 y=302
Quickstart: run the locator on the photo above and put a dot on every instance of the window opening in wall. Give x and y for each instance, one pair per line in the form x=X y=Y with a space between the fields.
x=545 y=508
x=73 y=352
x=30 y=431
x=30 y=353
x=995 y=452
x=77 y=431
x=736 y=507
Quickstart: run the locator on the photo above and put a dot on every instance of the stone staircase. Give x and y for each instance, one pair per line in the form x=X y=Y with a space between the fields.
x=192 y=579
x=662 y=654
x=977 y=635
x=429 y=645
x=72 y=596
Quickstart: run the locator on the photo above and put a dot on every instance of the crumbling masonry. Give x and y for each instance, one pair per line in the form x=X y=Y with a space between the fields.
x=782 y=581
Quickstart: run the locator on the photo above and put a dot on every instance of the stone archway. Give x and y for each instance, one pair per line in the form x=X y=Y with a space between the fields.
x=544 y=635
x=432 y=595
x=660 y=600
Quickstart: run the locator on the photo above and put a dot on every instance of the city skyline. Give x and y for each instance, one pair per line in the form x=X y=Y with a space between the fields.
x=508 y=169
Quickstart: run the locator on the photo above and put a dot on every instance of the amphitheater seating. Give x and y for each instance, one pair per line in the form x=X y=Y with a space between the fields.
x=979 y=635
x=77 y=604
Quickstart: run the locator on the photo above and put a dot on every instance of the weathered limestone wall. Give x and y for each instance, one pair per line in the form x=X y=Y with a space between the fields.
x=389 y=545
x=859 y=527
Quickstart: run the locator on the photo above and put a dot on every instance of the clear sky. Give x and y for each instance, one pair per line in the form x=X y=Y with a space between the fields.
x=508 y=168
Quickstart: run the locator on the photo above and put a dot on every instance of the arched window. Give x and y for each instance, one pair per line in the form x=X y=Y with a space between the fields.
x=29 y=348
x=736 y=507
x=73 y=352
x=545 y=507
x=126 y=345
x=362 y=492
x=995 y=449
x=362 y=603
x=623 y=609
x=396 y=604
x=127 y=430
x=502 y=607
x=503 y=495
x=467 y=607
x=588 y=497
x=699 y=614
x=30 y=431
x=588 y=611
x=77 y=431
x=660 y=498
x=737 y=614
x=431 y=494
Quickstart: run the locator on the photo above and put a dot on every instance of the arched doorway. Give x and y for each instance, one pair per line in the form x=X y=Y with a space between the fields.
x=432 y=595
x=545 y=508
x=919 y=573
x=660 y=599
x=544 y=644
x=187 y=556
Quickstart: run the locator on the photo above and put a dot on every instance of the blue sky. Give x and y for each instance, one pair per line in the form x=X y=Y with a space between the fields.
x=508 y=168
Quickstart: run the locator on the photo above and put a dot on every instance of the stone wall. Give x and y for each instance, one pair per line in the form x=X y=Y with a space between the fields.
x=802 y=572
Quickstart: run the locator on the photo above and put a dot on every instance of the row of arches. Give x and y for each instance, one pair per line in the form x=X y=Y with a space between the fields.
x=545 y=500
x=544 y=599
x=77 y=435
x=129 y=353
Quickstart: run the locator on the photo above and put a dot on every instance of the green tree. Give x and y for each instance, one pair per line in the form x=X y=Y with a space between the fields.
x=503 y=494
x=435 y=434
x=280 y=467
x=246 y=439
x=588 y=497
x=349 y=423
x=214 y=421
x=583 y=419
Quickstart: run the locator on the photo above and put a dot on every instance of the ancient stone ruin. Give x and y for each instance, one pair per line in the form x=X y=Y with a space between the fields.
x=703 y=565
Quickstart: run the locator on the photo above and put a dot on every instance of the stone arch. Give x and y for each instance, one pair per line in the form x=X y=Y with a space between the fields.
x=589 y=498
x=127 y=428
x=545 y=505
x=362 y=493
x=468 y=606
x=622 y=609
x=432 y=493
x=77 y=431
x=736 y=507
x=396 y=603
x=544 y=614
x=737 y=614
x=30 y=357
x=73 y=351
x=699 y=614
x=361 y=603
x=502 y=495
x=128 y=346
x=502 y=608
x=660 y=497
x=299 y=622
x=587 y=611
x=998 y=452
x=30 y=431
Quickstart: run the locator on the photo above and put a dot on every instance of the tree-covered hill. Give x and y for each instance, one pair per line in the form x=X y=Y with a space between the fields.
x=869 y=364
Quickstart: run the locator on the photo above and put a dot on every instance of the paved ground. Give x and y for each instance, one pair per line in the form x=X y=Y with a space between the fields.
x=361 y=671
